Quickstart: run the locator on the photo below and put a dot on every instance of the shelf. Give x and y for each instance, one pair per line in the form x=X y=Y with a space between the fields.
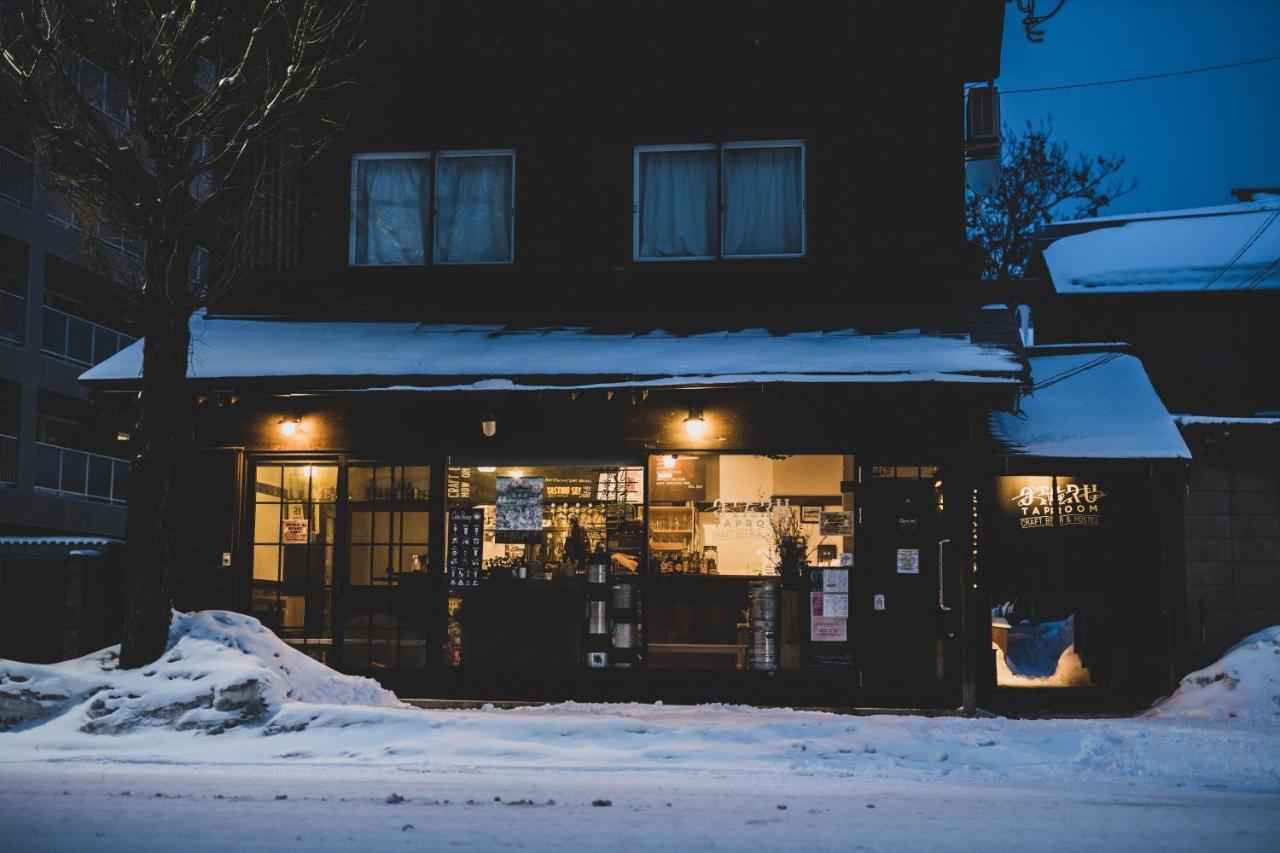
x=667 y=546
x=680 y=532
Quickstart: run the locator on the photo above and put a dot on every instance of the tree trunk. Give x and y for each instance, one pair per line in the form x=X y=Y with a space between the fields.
x=155 y=477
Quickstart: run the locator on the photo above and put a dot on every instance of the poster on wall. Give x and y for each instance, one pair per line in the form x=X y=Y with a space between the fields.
x=677 y=478
x=519 y=510
x=1032 y=503
x=295 y=528
x=835 y=523
x=908 y=561
x=829 y=611
x=466 y=545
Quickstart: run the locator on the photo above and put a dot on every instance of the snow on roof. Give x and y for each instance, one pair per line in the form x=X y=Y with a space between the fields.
x=495 y=358
x=1191 y=420
x=1092 y=405
x=59 y=541
x=1226 y=248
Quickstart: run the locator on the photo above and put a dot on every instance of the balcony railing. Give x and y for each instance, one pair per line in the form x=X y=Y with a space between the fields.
x=80 y=341
x=8 y=459
x=17 y=177
x=13 y=317
x=80 y=474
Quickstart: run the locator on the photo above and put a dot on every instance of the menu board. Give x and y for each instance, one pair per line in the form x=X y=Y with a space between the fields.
x=519 y=509
x=677 y=478
x=466 y=544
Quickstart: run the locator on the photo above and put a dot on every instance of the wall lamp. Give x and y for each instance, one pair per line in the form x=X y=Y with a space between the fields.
x=289 y=425
x=695 y=425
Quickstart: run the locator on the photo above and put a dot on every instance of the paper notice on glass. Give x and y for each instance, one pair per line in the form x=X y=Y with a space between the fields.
x=828 y=629
x=294 y=531
x=835 y=580
x=908 y=561
x=835 y=604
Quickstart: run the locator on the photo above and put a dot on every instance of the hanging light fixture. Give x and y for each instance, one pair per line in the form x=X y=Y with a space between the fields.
x=695 y=425
x=488 y=424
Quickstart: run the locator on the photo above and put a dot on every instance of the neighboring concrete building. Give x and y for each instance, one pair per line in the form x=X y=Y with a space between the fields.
x=1195 y=292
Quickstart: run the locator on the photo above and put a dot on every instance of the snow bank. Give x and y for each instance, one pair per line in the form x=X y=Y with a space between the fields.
x=219 y=670
x=1244 y=683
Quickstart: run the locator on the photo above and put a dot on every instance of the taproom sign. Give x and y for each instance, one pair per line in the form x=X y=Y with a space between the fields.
x=1036 y=504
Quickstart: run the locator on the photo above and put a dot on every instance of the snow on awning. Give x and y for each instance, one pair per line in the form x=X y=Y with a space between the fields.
x=412 y=356
x=1231 y=247
x=1089 y=405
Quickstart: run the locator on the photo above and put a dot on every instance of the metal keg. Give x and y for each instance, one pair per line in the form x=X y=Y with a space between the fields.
x=622 y=596
x=623 y=635
x=598 y=573
x=598 y=617
x=764 y=625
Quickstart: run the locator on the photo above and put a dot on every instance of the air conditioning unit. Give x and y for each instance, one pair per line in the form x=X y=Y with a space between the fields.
x=982 y=123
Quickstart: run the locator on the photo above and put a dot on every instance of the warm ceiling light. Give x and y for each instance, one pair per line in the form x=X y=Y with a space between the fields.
x=289 y=425
x=515 y=473
x=668 y=461
x=695 y=425
x=486 y=469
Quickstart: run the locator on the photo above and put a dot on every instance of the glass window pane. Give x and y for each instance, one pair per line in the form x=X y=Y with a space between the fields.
x=360 y=483
x=763 y=201
x=324 y=483
x=415 y=527
x=266 y=523
x=676 y=199
x=266 y=563
x=417 y=480
x=359 y=571
x=48 y=460
x=268 y=483
x=361 y=526
x=53 y=337
x=100 y=477
x=80 y=341
x=297 y=482
x=391 y=210
x=381 y=561
x=473 y=209
x=120 y=487
x=295 y=563
x=74 y=466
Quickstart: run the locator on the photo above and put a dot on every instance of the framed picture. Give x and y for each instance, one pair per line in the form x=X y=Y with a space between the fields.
x=810 y=514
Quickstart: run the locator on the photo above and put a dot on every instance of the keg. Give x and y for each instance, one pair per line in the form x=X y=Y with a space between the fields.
x=764 y=625
x=598 y=573
x=598 y=617
x=623 y=635
x=622 y=596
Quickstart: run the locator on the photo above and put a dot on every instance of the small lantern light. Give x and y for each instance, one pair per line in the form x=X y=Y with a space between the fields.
x=695 y=425
x=289 y=425
x=488 y=424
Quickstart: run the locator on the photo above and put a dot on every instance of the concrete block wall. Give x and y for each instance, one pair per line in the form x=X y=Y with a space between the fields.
x=1232 y=530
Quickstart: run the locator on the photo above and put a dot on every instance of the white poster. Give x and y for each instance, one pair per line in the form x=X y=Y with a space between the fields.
x=828 y=629
x=835 y=580
x=908 y=561
x=294 y=532
x=835 y=604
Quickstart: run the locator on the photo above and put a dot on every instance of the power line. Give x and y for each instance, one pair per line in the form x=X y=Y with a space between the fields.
x=1248 y=244
x=1159 y=76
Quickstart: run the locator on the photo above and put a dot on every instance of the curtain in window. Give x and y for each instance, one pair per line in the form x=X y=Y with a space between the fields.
x=677 y=201
x=392 y=203
x=763 y=201
x=473 y=209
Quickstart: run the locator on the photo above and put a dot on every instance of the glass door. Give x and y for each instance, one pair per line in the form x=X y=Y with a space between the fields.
x=294 y=530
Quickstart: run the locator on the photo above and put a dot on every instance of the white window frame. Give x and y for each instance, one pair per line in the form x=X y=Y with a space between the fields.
x=720 y=148
x=804 y=197
x=355 y=183
x=435 y=182
x=635 y=200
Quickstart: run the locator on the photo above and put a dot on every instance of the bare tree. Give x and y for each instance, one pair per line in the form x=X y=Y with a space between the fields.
x=1041 y=182
x=150 y=119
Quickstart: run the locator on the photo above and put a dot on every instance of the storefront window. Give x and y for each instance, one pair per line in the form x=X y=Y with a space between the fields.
x=718 y=522
x=295 y=514
x=1042 y=551
x=389 y=595
x=542 y=563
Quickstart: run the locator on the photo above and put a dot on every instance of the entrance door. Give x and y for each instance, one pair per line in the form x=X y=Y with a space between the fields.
x=895 y=620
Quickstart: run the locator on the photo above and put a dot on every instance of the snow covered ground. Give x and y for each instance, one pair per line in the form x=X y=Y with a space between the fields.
x=234 y=742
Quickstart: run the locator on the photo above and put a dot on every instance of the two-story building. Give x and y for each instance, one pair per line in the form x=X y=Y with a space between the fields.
x=633 y=352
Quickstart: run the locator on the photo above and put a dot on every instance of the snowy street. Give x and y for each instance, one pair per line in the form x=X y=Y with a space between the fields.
x=234 y=740
x=82 y=806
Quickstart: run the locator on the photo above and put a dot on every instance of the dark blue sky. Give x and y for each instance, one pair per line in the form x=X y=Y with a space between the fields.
x=1188 y=140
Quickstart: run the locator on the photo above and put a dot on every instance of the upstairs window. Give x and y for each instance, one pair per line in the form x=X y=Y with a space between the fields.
x=446 y=207
x=103 y=92
x=732 y=200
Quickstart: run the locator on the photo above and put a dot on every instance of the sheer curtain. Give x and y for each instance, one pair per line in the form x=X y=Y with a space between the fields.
x=392 y=204
x=763 y=201
x=473 y=209
x=677 y=204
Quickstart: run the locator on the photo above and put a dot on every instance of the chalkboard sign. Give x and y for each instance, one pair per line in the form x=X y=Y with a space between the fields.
x=466 y=544
x=677 y=479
